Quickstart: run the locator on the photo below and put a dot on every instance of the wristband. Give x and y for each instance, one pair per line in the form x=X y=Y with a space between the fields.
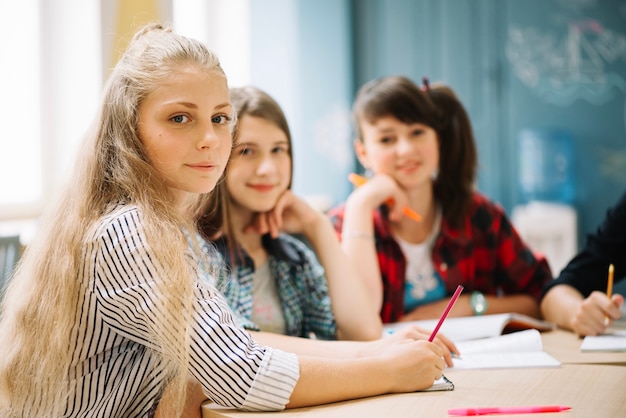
x=478 y=303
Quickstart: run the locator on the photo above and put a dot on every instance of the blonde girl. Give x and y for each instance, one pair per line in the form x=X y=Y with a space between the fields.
x=114 y=300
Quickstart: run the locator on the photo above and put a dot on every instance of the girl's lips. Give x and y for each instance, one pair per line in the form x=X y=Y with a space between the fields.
x=204 y=166
x=409 y=168
x=261 y=187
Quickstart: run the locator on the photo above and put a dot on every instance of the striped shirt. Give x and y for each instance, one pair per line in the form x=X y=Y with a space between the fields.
x=115 y=371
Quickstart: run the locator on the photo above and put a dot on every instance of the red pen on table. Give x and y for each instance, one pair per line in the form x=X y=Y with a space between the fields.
x=453 y=299
x=406 y=211
x=468 y=412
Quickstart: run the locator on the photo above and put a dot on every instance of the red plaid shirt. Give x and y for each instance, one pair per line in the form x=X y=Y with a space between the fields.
x=486 y=255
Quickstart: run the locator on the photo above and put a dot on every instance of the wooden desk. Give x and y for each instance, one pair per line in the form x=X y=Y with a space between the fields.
x=591 y=390
x=593 y=384
x=565 y=347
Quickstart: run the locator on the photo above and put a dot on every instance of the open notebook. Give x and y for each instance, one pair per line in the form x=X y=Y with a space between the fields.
x=514 y=350
x=613 y=340
x=507 y=340
x=475 y=327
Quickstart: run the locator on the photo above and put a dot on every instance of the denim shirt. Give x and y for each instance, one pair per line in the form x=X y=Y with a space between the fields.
x=300 y=282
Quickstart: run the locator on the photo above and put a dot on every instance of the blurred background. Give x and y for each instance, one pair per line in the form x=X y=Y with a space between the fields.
x=543 y=82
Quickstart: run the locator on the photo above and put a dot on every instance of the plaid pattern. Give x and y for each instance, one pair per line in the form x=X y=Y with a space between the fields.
x=300 y=281
x=487 y=255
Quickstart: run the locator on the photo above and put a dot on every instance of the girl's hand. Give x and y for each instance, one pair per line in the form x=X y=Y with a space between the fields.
x=415 y=333
x=378 y=190
x=413 y=365
x=291 y=215
x=591 y=316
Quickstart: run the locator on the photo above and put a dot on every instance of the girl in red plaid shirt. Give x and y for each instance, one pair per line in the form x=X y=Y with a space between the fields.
x=418 y=145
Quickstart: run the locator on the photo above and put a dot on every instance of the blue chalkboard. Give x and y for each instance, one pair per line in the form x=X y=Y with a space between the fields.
x=543 y=65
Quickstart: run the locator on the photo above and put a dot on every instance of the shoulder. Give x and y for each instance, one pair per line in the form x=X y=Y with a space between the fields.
x=616 y=214
x=481 y=202
x=485 y=216
x=484 y=209
x=123 y=220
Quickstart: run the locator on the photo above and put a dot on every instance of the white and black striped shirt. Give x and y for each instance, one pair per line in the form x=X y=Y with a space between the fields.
x=117 y=373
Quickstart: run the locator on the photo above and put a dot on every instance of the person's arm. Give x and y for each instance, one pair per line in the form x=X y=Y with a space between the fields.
x=352 y=349
x=358 y=229
x=341 y=370
x=352 y=304
x=566 y=307
x=406 y=367
x=353 y=308
x=576 y=300
x=523 y=304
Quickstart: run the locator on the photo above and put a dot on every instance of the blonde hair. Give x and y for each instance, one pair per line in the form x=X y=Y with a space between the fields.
x=41 y=306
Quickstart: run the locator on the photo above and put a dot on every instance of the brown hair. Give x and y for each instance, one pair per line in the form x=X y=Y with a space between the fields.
x=246 y=101
x=438 y=107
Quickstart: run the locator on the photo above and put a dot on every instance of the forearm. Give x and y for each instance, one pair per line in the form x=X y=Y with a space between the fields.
x=523 y=304
x=355 y=312
x=359 y=246
x=560 y=305
x=405 y=366
x=308 y=347
x=333 y=380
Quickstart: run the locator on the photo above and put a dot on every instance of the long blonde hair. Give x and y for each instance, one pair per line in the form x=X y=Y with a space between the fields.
x=40 y=308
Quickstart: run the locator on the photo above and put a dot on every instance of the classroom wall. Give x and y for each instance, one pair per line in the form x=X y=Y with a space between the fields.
x=538 y=64
x=301 y=55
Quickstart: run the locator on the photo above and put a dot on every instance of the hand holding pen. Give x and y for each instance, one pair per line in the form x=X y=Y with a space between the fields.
x=358 y=180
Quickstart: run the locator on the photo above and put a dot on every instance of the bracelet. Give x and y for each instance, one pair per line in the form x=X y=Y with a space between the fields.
x=357 y=234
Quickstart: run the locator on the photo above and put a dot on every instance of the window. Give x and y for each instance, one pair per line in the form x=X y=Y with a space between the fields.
x=50 y=82
x=20 y=148
x=224 y=26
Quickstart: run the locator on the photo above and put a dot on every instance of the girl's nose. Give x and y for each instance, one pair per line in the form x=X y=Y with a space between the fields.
x=266 y=166
x=404 y=146
x=209 y=138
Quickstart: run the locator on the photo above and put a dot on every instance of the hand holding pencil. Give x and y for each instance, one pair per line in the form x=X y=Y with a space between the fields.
x=357 y=181
x=609 y=291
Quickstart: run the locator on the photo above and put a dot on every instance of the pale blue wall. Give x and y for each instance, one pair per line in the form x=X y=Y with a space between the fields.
x=313 y=55
x=302 y=56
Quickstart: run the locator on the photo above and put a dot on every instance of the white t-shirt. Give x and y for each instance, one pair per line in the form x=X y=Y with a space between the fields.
x=422 y=282
x=267 y=312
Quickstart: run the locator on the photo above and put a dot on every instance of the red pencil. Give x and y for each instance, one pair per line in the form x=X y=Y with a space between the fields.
x=453 y=299
x=465 y=412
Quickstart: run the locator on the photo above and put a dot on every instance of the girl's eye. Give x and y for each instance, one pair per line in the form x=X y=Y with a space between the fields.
x=418 y=132
x=280 y=150
x=241 y=150
x=385 y=140
x=179 y=119
x=220 y=119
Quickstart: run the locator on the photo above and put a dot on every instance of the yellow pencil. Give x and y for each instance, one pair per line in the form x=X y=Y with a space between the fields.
x=609 y=286
x=609 y=289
